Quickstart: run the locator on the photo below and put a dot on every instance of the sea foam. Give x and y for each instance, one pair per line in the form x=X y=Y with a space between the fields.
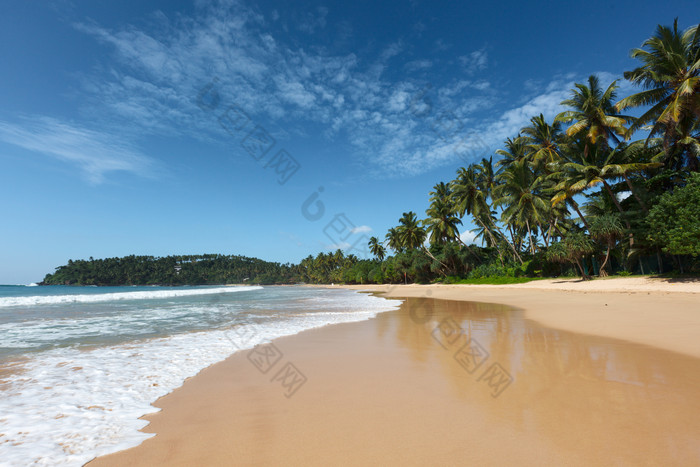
x=110 y=297
x=69 y=405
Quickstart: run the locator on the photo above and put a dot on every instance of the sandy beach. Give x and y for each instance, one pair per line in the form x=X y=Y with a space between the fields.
x=545 y=373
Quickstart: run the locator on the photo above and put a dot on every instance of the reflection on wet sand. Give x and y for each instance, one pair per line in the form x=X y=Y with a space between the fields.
x=624 y=402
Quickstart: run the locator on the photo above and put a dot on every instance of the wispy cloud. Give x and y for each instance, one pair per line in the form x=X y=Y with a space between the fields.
x=95 y=153
x=475 y=61
x=158 y=72
x=361 y=229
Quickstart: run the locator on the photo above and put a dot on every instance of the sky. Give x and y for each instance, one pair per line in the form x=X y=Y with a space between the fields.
x=271 y=129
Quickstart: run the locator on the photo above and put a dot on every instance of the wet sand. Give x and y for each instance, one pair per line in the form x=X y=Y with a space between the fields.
x=437 y=382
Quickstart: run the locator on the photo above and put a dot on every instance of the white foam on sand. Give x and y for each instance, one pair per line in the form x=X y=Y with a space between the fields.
x=68 y=406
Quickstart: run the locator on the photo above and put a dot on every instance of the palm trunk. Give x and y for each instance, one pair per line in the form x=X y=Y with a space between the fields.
x=433 y=257
x=529 y=236
x=634 y=193
x=602 y=272
x=545 y=238
x=515 y=252
x=493 y=239
x=622 y=212
x=583 y=219
x=584 y=276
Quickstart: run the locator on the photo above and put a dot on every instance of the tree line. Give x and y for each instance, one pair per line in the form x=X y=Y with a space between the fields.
x=580 y=189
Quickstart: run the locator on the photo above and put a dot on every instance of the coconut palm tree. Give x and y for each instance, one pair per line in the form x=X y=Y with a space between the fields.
x=543 y=141
x=441 y=192
x=606 y=228
x=393 y=239
x=628 y=160
x=670 y=77
x=470 y=198
x=683 y=150
x=524 y=204
x=593 y=115
x=515 y=150
x=411 y=234
x=441 y=224
x=376 y=248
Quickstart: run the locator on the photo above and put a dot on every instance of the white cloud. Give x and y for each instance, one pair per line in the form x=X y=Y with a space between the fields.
x=468 y=237
x=361 y=229
x=95 y=153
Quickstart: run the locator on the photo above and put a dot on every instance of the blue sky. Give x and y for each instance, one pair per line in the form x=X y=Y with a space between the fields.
x=270 y=129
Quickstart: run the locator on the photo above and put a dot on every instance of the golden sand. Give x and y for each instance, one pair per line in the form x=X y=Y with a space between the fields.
x=443 y=382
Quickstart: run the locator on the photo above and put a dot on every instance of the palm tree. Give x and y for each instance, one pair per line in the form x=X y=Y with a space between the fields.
x=470 y=198
x=376 y=248
x=519 y=193
x=580 y=173
x=515 y=150
x=670 y=77
x=441 y=224
x=684 y=148
x=411 y=234
x=593 y=115
x=564 y=190
x=608 y=229
x=441 y=192
x=543 y=141
x=627 y=160
x=393 y=239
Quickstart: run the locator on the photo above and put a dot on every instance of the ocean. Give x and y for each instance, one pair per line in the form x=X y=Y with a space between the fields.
x=80 y=365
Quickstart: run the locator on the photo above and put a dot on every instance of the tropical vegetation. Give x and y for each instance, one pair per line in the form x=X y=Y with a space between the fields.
x=594 y=191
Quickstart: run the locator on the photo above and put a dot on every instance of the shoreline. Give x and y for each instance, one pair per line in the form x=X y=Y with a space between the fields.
x=205 y=407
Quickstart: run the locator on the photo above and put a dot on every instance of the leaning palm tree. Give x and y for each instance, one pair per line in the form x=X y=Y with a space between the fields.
x=593 y=116
x=376 y=248
x=670 y=77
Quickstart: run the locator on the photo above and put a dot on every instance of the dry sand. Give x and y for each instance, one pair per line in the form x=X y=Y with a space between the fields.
x=400 y=390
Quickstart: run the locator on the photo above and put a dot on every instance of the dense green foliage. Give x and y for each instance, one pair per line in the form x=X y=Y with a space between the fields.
x=674 y=223
x=169 y=270
x=574 y=195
